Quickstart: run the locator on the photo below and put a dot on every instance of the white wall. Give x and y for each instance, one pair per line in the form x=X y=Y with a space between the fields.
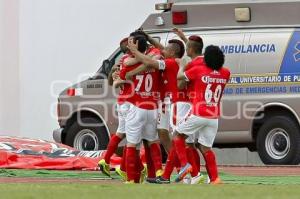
x=47 y=40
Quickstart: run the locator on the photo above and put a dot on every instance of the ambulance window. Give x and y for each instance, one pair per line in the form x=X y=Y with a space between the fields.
x=106 y=66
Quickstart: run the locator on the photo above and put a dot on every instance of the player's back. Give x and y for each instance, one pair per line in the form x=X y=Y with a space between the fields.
x=208 y=89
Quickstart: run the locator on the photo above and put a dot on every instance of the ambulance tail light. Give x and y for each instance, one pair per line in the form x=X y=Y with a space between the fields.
x=71 y=92
x=179 y=17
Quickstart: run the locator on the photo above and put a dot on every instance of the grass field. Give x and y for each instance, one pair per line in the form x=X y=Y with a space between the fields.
x=240 y=187
x=145 y=191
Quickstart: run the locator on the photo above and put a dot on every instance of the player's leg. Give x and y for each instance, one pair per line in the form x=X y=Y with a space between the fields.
x=192 y=159
x=133 y=128
x=150 y=134
x=163 y=125
x=115 y=139
x=189 y=126
x=164 y=137
x=151 y=178
x=206 y=139
x=121 y=171
x=170 y=164
x=141 y=168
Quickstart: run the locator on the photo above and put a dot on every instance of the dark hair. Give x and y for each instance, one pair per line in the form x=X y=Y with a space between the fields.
x=123 y=45
x=142 y=43
x=196 y=43
x=214 y=57
x=137 y=34
x=180 y=47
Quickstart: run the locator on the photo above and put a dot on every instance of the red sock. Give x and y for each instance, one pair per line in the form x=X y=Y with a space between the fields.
x=211 y=165
x=139 y=162
x=177 y=162
x=181 y=150
x=197 y=157
x=150 y=165
x=130 y=163
x=123 y=162
x=170 y=163
x=139 y=166
x=155 y=152
x=192 y=161
x=112 y=147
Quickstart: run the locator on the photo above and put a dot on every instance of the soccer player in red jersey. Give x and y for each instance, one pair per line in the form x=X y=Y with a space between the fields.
x=194 y=51
x=208 y=80
x=169 y=92
x=120 y=135
x=140 y=122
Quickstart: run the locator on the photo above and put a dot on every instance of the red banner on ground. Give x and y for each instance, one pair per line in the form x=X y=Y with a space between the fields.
x=24 y=153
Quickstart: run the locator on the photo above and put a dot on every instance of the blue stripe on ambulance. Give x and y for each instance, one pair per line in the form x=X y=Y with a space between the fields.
x=291 y=59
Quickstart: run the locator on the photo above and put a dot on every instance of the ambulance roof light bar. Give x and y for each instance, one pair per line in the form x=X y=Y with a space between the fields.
x=163 y=6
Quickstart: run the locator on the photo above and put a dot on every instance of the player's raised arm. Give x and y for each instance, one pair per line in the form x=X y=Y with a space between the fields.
x=152 y=41
x=181 y=79
x=180 y=34
x=146 y=60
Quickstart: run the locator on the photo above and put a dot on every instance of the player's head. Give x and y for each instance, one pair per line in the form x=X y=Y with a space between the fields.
x=194 y=46
x=174 y=49
x=142 y=43
x=142 y=40
x=214 y=57
x=123 y=45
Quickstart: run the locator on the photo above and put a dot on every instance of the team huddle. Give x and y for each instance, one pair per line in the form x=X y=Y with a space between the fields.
x=168 y=99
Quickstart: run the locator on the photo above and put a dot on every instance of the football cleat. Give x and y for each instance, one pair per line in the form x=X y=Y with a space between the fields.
x=216 y=181
x=199 y=179
x=187 y=180
x=129 y=182
x=143 y=174
x=183 y=172
x=159 y=173
x=105 y=168
x=161 y=180
x=151 y=180
x=121 y=173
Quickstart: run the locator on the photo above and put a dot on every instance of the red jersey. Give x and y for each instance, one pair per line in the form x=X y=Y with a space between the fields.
x=169 y=68
x=124 y=90
x=186 y=94
x=143 y=91
x=208 y=88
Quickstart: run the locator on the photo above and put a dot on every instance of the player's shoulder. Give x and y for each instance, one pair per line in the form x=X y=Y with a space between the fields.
x=225 y=71
x=153 y=50
x=198 y=60
x=170 y=61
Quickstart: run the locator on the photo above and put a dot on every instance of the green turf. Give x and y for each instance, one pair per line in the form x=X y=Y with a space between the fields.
x=227 y=178
x=145 y=191
x=236 y=187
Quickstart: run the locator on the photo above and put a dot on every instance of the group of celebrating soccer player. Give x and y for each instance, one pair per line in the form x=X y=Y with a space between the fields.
x=167 y=98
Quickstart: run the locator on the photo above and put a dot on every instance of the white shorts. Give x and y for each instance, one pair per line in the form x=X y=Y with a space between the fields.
x=206 y=129
x=183 y=110
x=163 y=118
x=122 y=110
x=140 y=124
